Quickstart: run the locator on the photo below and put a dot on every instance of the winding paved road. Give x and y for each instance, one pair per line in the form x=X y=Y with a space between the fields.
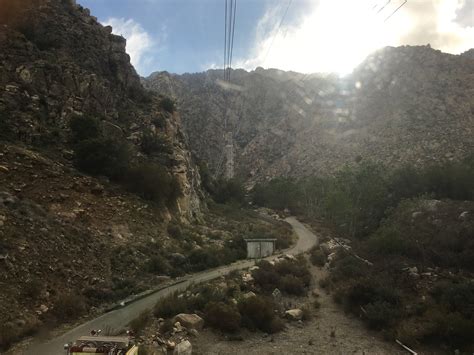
x=118 y=319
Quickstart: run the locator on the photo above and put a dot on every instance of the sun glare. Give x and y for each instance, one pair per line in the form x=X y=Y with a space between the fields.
x=337 y=36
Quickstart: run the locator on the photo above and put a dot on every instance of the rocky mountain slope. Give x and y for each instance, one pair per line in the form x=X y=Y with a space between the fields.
x=70 y=241
x=405 y=104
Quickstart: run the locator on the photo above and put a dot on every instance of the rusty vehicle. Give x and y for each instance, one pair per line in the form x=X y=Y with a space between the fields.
x=106 y=345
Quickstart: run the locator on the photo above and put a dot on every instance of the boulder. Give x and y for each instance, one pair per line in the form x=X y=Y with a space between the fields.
x=249 y=295
x=416 y=214
x=294 y=314
x=178 y=328
x=190 y=321
x=183 y=348
x=276 y=294
x=4 y=169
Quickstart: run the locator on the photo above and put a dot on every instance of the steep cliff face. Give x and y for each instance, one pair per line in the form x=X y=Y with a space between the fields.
x=57 y=62
x=405 y=104
x=62 y=231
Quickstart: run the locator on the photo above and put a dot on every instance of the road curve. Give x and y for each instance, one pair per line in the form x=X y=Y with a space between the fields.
x=118 y=319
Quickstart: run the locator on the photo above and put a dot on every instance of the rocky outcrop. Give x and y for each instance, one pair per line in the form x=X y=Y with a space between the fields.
x=401 y=105
x=57 y=62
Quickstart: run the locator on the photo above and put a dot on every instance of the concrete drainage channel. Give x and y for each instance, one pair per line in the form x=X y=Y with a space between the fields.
x=119 y=315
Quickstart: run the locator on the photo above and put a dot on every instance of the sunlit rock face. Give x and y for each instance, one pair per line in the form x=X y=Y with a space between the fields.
x=401 y=105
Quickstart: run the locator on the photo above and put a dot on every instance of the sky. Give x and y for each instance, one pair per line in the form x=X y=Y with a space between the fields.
x=314 y=36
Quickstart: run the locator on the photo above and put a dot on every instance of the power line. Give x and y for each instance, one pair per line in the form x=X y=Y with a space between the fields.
x=398 y=8
x=232 y=41
x=225 y=37
x=278 y=31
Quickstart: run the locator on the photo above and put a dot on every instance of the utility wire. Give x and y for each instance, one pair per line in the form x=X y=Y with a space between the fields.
x=232 y=40
x=225 y=37
x=278 y=31
x=398 y=8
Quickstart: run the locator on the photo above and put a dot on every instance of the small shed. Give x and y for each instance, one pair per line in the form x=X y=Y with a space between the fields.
x=260 y=247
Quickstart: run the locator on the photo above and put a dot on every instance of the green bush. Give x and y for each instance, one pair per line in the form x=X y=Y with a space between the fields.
x=457 y=297
x=33 y=288
x=84 y=128
x=266 y=276
x=317 y=257
x=170 y=306
x=152 y=182
x=101 y=156
x=365 y=292
x=153 y=143
x=138 y=324
x=290 y=276
x=258 y=313
x=297 y=268
x=380 y=314
x=222 y=316
x=229 y=191
x=157 y=265
x=167 y=104
x=292 y=285
x=174 y=230
x=68 y=306
x=8 y=335
x=452 y=329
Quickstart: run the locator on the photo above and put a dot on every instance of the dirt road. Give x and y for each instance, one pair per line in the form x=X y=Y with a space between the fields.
x=118 y=319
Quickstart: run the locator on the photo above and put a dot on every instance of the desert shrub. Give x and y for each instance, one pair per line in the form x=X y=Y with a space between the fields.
x=266 y=276
x=102 y=156
x=364 y=292
x=258 y=313
x=222 y=316
x=457 y=297
x=153 y=143
x=98 y=295
x=349 y=267
x=84 y=128
x=380 y=314
x=292 y=285
x=174 y=230
x=175 y=303
x=388 y=240
x=139 y=323
x=170 y=306
x=123 y=286
x=325 y=283
x=317 y=257
x=167 y=104
x=291 y=276
x=201 y=259
x=229 y=191
x=8 y=335
x=279 y=193
x=152 y=182
x=68 y=306
x=207 y=180
x=157 y=264
x=450 y=328
x=297 y=268
x=32 y=289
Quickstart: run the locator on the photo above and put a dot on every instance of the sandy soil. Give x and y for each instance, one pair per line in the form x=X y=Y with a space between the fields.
x=314 y=337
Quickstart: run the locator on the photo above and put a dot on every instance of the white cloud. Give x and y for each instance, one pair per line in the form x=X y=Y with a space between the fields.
x=336 y=35
x=140 y=44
